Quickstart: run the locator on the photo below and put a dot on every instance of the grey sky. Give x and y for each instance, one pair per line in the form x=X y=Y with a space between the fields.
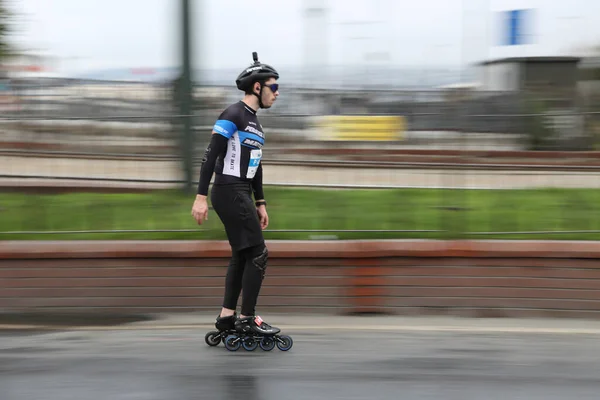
x=93 y=34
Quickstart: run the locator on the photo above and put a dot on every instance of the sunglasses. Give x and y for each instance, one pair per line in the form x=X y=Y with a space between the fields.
x=273 y=86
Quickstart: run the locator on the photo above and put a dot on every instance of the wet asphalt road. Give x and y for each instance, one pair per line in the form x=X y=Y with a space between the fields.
x=176 y=364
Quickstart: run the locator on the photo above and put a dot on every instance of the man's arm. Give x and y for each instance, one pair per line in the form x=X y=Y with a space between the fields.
x=259 y=198
x=257 y=185
x=217 y=144
x=222 y=132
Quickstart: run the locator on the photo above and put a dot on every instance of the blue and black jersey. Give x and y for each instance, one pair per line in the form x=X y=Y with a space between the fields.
x=239 y=124
x=235 y=150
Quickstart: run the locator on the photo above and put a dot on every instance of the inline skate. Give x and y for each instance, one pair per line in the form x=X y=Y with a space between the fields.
x=225 y=327
x=252 y=332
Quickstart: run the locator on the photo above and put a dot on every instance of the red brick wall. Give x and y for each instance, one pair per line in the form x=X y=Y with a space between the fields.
x=493 y=278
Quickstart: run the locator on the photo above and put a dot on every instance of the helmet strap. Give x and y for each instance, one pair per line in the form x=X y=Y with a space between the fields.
x=259 y=95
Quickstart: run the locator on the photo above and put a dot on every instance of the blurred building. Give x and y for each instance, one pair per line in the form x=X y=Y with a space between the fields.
x=29 y=65
x=589 y=76
x=315 y=40
x=516 y=74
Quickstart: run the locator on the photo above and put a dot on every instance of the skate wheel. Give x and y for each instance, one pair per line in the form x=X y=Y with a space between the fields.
x=232 y=343
x=212 y=338
x=284 y=343
x=250 y=344
x=267 y=343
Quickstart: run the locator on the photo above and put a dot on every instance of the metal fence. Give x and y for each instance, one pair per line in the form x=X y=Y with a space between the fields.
x=102 y=160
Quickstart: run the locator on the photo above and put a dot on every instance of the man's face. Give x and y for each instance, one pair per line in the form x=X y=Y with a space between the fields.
x=270 y=92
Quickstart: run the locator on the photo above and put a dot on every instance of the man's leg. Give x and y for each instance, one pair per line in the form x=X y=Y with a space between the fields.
x=233 y=283
x=256 y=265
x=254 y=273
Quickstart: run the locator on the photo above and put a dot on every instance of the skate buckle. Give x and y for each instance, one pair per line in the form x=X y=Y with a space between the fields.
x=258 y=320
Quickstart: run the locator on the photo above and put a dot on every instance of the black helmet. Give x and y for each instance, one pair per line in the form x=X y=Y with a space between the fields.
x=255 y=73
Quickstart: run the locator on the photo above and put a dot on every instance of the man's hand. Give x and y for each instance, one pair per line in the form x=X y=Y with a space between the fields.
x=200 y=209
x=263 y=216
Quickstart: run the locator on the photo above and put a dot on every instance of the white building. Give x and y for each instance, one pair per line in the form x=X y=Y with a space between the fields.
x=315 y=40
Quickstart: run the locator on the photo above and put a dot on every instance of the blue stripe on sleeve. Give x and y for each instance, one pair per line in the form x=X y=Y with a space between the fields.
x=225 y=128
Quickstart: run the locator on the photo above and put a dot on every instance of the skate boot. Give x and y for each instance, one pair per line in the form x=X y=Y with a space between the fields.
x=255 y=326
x=225 y=323
x=225 y=326
x=252 y=332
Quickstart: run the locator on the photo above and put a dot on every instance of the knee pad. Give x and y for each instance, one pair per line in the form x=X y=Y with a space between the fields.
x=260 y=256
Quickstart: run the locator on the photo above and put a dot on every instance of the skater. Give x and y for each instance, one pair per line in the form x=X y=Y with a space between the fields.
x=234 y=156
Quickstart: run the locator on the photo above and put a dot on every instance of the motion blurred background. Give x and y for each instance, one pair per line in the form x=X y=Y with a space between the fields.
x=429 y=119
x=434 y=119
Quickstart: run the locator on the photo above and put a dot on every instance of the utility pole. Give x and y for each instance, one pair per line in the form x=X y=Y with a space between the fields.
x=187 y=142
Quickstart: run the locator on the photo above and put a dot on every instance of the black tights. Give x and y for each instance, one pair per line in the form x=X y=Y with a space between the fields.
x=246 y=269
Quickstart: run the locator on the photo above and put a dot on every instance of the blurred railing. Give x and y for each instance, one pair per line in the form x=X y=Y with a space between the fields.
x=459 y=165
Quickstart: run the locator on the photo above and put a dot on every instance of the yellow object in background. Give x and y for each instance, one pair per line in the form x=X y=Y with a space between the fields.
x=361 y=127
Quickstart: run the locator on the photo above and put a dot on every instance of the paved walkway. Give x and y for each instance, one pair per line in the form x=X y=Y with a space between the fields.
x=277 y=174
x=358 y=323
